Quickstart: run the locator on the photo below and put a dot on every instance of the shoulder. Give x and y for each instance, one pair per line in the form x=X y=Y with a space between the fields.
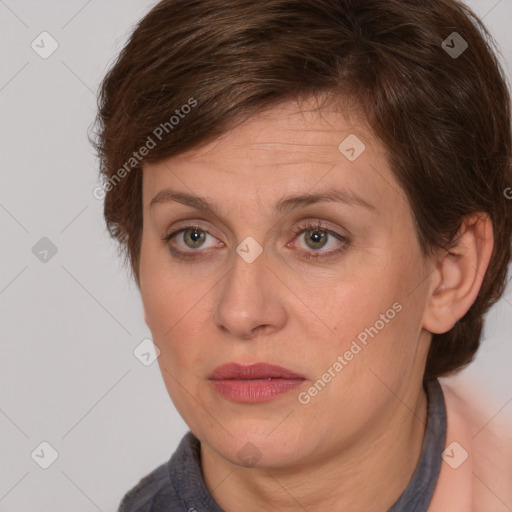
x=478 y=453
x=153 y=488
x=176 y=486
x=158 y=491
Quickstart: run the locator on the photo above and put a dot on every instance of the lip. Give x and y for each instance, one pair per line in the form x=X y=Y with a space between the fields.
x=254 y=383
x=253 y=371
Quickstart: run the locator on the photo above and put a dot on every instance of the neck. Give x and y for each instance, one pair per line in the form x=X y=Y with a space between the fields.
x=370 y=474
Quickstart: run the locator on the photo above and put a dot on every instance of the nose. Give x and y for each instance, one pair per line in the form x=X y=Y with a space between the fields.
x=250 y=301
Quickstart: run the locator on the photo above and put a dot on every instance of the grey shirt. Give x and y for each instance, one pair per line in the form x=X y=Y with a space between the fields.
x=178 y=485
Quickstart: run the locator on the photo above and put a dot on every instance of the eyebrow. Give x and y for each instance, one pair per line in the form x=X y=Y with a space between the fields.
x=285 y=204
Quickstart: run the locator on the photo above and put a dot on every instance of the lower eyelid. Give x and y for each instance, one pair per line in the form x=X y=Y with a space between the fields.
x=310 y=254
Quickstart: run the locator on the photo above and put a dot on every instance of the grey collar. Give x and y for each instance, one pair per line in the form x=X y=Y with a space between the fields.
x=418 y=494
x=187 y=480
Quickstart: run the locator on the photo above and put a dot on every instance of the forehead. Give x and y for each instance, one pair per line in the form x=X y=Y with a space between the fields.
x=289 y=148
x=283 y=132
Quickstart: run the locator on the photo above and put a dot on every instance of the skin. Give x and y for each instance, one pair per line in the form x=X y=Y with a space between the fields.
x=356 y=444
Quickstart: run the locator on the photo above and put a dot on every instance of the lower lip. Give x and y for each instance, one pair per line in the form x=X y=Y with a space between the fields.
x=254 y=391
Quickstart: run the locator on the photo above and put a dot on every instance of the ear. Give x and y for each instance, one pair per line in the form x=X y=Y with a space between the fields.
x=458 y=274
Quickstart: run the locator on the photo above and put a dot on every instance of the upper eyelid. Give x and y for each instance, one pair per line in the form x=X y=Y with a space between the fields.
x=301 y=224
x=305 y=225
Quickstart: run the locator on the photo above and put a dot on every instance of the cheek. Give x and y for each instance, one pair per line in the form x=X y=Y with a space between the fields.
x=169 y=317
x=358 y=301
x=158 y=292
x=374 y=315
x=170 y=309
x=174 y=307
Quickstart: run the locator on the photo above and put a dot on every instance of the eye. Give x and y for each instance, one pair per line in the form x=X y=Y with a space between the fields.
x=191 y=238
x=317 y=238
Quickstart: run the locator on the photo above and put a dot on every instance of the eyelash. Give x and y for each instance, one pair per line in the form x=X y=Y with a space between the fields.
x=308 y=226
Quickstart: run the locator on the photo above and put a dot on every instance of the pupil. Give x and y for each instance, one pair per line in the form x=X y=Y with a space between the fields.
x=316 y=237
x=196 y=236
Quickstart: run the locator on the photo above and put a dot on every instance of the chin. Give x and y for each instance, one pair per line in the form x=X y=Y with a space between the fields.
x=254 y=447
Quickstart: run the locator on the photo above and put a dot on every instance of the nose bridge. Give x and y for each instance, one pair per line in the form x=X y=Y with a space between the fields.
x=245 y=299
x=243 y=283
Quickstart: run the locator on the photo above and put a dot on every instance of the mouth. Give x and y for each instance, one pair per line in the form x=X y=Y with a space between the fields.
x=254 y=383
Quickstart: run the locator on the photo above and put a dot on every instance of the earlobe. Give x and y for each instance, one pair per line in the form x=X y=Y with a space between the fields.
x=459 y=274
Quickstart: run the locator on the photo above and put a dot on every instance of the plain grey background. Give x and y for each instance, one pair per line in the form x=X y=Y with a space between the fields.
x=70 y=321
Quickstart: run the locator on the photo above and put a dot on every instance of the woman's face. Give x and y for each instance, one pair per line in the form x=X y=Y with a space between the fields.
x=332 y=290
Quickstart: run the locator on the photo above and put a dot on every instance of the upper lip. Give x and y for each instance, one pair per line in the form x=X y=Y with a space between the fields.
x=252 y=371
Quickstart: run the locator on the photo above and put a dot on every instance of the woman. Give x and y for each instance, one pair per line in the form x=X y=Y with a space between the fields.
x=312 y=198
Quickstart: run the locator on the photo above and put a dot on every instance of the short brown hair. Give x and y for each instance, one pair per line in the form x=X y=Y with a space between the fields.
x=443 y=118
